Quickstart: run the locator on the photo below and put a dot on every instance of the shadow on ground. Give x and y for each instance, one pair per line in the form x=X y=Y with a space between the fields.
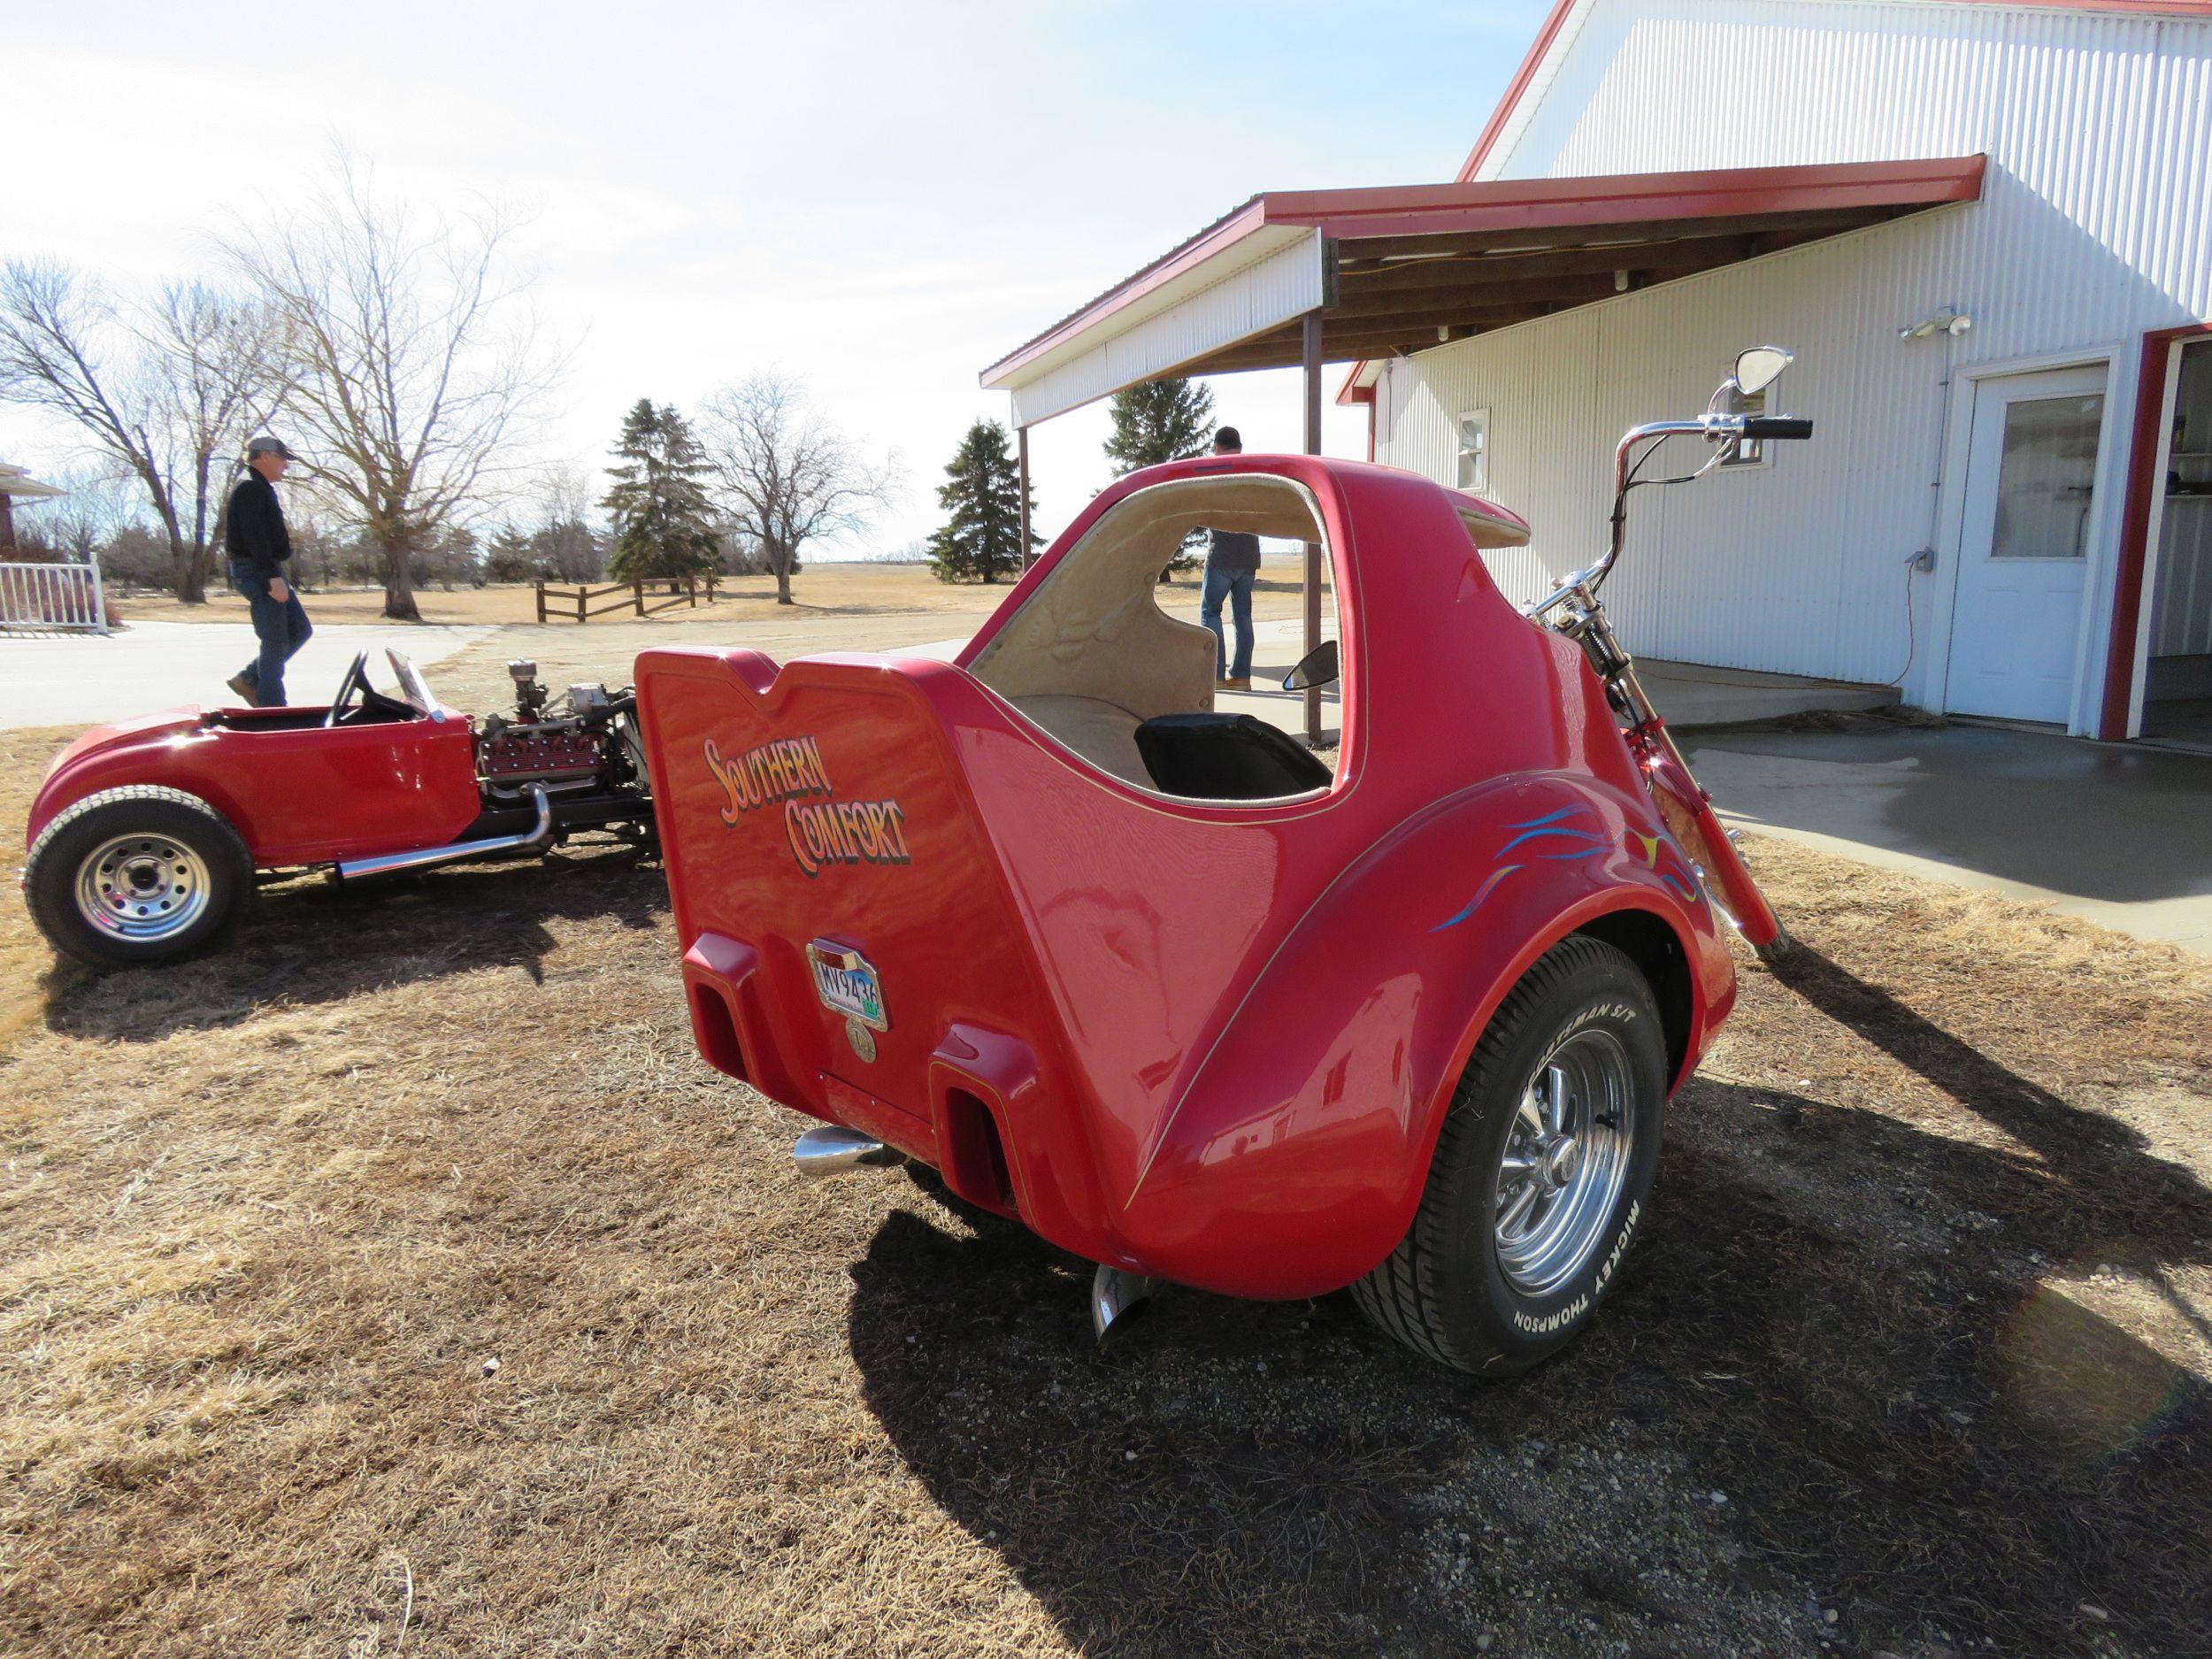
x=1907 y=1420
x=309 y=942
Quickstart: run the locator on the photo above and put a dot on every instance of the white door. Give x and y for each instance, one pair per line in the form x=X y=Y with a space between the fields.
x=2024 y=550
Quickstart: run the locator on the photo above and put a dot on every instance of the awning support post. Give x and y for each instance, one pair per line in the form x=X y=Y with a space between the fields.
x=1021 y=465
x=1313 y=548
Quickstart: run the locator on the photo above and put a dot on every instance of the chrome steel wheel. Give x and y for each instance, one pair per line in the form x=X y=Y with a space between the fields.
x=143 y=887
x=1566 y=1157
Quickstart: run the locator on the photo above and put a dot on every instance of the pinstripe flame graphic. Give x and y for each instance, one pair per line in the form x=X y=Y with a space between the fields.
x=1561 y=841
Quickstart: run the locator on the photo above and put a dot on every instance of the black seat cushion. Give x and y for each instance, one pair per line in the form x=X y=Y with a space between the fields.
x=1226 y=757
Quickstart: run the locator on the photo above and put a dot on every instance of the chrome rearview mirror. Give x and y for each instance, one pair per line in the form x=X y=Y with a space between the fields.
x=1318 y=668
x=1760 y=367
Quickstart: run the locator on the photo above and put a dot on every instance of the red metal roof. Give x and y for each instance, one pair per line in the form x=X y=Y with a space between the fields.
x=1392 y=222
x=1349 y=393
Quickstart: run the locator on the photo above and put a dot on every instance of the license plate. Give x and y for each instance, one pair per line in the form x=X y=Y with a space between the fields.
x=848 y=984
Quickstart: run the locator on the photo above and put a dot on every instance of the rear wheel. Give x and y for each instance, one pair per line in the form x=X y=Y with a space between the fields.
x=136 y=877
x=1541 y=1171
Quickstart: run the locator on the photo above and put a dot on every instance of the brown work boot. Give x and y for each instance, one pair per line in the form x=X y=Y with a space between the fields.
x=1235 y=685
x=244 y=688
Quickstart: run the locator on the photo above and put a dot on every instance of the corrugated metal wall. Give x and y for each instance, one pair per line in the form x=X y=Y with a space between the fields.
x=2094 y=226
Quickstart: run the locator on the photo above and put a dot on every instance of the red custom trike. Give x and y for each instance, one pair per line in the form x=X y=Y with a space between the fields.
x=1156 y=980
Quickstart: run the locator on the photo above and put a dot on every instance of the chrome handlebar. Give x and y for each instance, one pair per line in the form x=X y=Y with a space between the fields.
x=1716 y=429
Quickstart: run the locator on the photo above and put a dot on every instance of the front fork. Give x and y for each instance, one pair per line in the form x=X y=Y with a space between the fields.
x=1684 y=805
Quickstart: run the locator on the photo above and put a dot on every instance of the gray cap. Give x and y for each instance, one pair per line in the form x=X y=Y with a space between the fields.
x=266 y=445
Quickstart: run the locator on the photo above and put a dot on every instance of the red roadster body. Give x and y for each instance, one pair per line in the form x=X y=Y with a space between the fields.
x=147 y=837
x=1161 y=985
x=297 y=791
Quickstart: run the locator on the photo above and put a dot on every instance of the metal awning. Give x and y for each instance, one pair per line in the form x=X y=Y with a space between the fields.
x=1403 y=268
x=15 y=482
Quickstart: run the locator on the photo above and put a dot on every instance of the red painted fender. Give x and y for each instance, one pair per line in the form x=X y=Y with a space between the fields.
x=1329 y=1114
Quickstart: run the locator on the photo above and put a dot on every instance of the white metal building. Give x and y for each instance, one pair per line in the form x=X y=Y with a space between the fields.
x=1984 y=229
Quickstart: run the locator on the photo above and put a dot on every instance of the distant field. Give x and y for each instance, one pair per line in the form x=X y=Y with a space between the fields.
x=848 y=590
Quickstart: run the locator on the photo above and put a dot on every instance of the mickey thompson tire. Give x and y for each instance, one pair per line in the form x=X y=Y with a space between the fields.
x=1542 y=1173
x=136 y=877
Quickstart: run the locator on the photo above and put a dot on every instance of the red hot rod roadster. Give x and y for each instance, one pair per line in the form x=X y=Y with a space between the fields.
x=147 y=838
x=1165 y=986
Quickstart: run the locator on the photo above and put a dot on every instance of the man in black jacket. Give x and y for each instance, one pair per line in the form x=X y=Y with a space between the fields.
x=1232 y=564
x=255 y=537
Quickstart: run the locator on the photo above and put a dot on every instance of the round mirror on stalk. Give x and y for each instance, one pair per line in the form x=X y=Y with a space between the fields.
x=1760 y=367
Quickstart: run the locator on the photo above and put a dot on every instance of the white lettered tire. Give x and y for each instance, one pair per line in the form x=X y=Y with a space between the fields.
x=1542 y=1170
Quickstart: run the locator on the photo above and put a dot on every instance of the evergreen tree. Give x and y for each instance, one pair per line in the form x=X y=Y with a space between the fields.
x=509 y=558
x=1161 y=420
x=662 y=524
x=981 y=541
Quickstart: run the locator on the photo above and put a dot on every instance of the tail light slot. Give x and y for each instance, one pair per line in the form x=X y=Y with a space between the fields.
x=974 y=1154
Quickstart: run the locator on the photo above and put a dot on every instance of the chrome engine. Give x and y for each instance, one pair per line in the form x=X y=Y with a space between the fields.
x=586 y=737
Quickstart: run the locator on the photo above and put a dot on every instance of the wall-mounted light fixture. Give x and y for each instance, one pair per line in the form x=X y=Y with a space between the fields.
x=1946 y=321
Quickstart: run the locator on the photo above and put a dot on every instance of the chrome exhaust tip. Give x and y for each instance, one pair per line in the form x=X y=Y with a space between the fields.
x=1115 y=1294
x=831 y=1149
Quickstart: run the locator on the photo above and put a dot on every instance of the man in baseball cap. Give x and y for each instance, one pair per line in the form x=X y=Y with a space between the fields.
x=258 y=545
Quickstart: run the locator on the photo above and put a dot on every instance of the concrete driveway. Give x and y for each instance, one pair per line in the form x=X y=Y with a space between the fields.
x=86 y=679
x=2114 y=832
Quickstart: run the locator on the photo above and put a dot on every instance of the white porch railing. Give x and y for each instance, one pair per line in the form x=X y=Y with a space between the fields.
x=48 y=598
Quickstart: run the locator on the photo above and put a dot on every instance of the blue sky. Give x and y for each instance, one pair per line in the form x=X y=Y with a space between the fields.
x=880 y=199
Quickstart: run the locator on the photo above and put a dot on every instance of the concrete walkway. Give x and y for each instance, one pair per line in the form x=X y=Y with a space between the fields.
x=2116 y=833
x=86 y=679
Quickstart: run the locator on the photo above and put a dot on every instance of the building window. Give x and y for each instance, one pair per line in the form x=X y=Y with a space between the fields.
x=1473 y=431
x=1746 y=451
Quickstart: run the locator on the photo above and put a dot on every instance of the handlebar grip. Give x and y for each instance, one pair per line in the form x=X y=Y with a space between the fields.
x=1776 y=427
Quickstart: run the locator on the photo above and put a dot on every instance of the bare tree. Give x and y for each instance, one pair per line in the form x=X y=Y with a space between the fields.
x=96 y=504
x=786 y=476
x=162 y=392
x=561 y=542
x=416 y=373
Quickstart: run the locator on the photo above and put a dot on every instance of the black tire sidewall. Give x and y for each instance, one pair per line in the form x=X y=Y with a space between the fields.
x=50 y=877
x=1510 y=1329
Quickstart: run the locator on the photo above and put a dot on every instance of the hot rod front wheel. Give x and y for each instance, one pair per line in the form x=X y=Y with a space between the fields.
x=136 y=877
x=1541 y=1171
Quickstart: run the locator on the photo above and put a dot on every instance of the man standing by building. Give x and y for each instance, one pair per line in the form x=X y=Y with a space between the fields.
x=255 y=538
x=1232 y=563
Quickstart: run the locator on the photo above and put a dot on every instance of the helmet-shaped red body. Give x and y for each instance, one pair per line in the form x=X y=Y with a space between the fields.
x=1207 y=1040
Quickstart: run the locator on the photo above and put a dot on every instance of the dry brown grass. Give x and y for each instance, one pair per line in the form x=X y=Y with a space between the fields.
x=24 y=753
x=264 y=1221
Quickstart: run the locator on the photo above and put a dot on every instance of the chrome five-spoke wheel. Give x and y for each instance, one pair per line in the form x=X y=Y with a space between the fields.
x=1566 y=1156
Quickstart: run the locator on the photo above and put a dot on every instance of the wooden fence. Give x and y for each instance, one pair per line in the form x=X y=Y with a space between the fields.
x=581 y=602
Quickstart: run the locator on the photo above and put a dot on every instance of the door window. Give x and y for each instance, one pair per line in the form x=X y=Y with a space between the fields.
x=2044 y=478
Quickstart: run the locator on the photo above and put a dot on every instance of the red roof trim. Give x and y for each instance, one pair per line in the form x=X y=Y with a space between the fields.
x=1232 y=226
x=1560 y=12
x=1516 y=87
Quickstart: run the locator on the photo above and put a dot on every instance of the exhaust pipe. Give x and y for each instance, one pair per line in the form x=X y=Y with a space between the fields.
x=539 y=838
x=1115 y=1294
x=831 y=1149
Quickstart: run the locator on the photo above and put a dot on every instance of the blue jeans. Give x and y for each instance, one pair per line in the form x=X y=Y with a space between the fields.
x=1236 y=587
x=282 y=628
